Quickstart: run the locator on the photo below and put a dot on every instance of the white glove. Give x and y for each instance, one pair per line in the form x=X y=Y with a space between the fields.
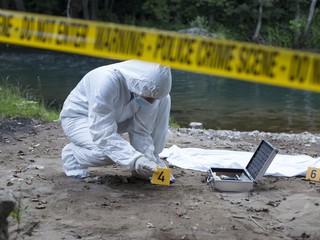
x=162 y=164
x=144 y=168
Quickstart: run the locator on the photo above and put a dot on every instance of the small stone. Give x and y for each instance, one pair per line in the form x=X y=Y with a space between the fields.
x=40 y=207
x=196 y=125
x=150 y=225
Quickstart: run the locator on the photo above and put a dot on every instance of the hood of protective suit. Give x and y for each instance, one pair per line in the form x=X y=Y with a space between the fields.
x=146 y=79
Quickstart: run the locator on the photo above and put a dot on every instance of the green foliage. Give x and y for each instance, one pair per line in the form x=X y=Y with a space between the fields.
x=221 y=32
x=20 y=102
x=173 y=123
x=276 y=36
x=157 y=10
x=200 y=22
x=295 y=25
x=231 y=19
x=16 y=214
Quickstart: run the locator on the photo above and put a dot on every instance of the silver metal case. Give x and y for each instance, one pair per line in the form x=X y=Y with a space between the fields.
x=241 y=180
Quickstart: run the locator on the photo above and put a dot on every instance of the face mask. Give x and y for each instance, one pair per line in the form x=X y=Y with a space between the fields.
x=141 y=102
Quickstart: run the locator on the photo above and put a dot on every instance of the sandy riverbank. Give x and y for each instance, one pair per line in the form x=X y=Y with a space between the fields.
x=118 y=206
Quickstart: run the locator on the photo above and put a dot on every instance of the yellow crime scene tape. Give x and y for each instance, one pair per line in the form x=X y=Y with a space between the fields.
x=238 y=60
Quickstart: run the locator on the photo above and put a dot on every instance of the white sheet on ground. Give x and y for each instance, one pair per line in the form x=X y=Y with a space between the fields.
x=203 y=159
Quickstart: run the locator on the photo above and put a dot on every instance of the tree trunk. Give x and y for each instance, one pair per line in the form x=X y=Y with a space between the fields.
x=258 y=27
x=69 y=9
x=85 y=9
x=310 y=16
x=75 y=8
x=108 y=5
x=297 y=33
x=94 y=9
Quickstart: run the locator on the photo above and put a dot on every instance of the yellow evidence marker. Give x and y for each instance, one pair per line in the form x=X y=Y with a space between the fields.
x=161 y=177
x=313 y=174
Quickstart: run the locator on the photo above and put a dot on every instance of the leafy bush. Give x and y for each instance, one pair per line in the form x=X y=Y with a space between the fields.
x=200 y=22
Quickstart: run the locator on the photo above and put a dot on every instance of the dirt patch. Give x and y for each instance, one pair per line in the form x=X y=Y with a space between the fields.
x=113 y=205
x=10 y=127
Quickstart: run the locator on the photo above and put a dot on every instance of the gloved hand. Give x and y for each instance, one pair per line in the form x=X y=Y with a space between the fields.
x=144 y=168
x=161 y=164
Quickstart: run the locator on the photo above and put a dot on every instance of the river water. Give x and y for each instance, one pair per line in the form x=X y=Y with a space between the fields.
x=218 y=103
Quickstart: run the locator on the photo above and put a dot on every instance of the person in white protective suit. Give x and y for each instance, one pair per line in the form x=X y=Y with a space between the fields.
x=130 y=96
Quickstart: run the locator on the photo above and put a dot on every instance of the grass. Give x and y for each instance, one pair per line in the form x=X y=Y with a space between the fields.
x=16 y=101
x=173 y=123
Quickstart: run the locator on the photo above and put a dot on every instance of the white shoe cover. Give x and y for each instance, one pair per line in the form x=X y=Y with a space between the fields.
x=70 y=165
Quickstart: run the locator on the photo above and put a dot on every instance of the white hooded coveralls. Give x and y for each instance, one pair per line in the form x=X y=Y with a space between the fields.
x=102 y=107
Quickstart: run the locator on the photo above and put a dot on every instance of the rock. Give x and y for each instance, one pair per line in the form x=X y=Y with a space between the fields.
x=197 y=31
x=196 y=125
x=7 y=204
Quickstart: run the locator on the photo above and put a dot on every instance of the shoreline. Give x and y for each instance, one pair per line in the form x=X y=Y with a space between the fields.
x=288 y=143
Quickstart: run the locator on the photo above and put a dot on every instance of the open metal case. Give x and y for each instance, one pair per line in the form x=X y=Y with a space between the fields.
x=241 y=180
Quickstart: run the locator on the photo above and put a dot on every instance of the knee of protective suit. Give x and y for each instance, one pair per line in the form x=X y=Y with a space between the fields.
x=91 y=157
